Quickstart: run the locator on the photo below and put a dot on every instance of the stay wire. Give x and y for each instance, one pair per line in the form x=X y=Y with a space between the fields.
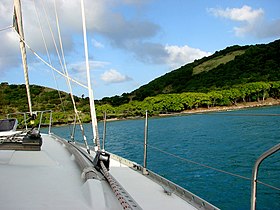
x=6 y=28
x=64 y=68
x=49 y=58
x=268 y=185
x=49 y=65
x=52 y=35
x=203 y=165
x=210 y=167
x=63 y=74
x=200 y=164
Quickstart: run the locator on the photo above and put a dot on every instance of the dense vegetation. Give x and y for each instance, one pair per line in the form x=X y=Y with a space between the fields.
x=233 y=75
x=177 y=102
x=14 y=99
x=232 y=66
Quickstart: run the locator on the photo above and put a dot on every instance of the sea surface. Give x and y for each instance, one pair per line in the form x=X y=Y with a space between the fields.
x=228 y=141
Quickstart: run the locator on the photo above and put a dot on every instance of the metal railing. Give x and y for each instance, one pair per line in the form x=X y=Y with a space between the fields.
x=255 y=173
x=42 y=122
x=253 y=179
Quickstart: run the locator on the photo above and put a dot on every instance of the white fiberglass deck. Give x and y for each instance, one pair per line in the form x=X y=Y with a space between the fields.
x=145 y=192
x=50 y=179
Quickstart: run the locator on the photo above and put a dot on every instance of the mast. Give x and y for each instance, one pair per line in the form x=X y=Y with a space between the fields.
x=19 y=28
x=90 y=92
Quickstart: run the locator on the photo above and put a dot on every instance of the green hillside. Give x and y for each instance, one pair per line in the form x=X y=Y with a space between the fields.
x=14 y=99
x=230 y=76
x=215 y=62
x=234 y=65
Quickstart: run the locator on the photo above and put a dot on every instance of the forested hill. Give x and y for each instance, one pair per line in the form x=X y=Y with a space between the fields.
x=232 y=66
x=228 y=77
x=13 y=99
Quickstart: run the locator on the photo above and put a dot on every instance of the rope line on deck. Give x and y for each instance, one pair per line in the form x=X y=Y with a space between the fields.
x=115 y=187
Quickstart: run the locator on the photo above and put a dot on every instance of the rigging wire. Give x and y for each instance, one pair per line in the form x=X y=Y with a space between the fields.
x=202 y=165
x=64 y=68
x=210 y=167
x=48 y=64
x=68 y=81
x=268 y=185
x=63 y=74
x=6 y=28
x=53 y=38
x=48 y=55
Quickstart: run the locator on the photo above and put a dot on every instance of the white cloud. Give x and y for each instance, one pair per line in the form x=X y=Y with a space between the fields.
x=101 y=16
x=244 y=13
x=80 y=66
x=113 y=76
x=178 y=56
x=172 y=55
x=97 y=44
x=131 y=34
x=252 y=21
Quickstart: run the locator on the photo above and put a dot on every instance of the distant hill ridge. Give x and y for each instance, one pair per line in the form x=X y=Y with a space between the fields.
x=232 y=66
x=235 y=74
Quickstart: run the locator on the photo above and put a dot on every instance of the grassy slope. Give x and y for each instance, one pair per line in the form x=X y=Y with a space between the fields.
x=215 y=62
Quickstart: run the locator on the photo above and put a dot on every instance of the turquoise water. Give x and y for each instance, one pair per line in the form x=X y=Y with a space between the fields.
x=229 y=141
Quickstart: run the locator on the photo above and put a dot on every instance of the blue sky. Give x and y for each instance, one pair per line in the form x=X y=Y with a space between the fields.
x=131 y=42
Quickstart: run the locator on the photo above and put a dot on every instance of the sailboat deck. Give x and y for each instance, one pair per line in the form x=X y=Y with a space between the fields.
x=48 y=179
x=146 y=192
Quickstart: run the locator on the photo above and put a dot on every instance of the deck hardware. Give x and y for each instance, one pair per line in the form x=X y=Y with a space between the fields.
x=101 y=156
x=145 y=172
x=167 y=190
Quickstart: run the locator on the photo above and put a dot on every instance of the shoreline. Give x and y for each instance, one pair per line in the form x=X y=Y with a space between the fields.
x=238 y=106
